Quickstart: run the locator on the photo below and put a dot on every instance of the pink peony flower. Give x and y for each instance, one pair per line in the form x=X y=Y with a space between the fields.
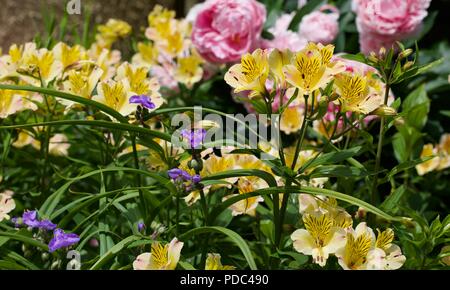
x=320 y=26
x=224 y=30
x=382 y=22
x=284 y=38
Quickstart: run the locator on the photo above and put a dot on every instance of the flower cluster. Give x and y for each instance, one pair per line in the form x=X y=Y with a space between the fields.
x=168 y=52
x=59 y=240
x=328 y=230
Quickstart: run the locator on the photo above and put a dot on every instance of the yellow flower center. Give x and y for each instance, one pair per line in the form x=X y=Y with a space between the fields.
x=356 y=250
x=319 y=228
x=148 y=52
x=384 y=239
x=160 y=255
x=309 y=65
x=353 y=89
x=115 y=95
x=250 y=68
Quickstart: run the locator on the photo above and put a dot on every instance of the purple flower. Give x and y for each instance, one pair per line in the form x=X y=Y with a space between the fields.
x=194 y=137
x=143 y=100
x=196 y=178
x=29 y=218
x=176 y=173
x=141 y=226
x=46 y=225
x=62 y=240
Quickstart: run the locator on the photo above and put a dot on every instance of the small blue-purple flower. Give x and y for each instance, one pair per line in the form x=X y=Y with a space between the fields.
x=143 y=100
x=194 y=137
x=176 y=174
x=46 y=225
x=62 y=240
x=29 y=218
x=141 y=226
x=196 y=178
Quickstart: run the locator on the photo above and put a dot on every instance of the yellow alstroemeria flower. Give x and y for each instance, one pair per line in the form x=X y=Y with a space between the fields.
x=112 y=31
x=160 y=19
x=44 y=62
x=247 y=205
x=320 y=238
x=430 y=165
x=309 y=204
x=277 y=60
x=251 y=74
x=444 y=152
x=213 y=263
x=7 y=204
x=81 y=83
x=189 y=70
x=59 y=145
x=162 y=257
x=393 y=259
x=68 y=55
x=12 y=101
x=292 y=119
x=312 y=68
x=115 y=95
x=355 y=94
x=147 y=55
x=360 y=252
x=25 y=138
x=105 y=59
x=10 y=62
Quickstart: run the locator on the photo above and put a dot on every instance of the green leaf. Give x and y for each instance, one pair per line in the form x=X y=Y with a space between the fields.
x=186 y=266
x=236 y=238
x=338 y=171
x=97 y=123
x=416 y=108
x=114 y=251
x=333 y=157
x=391 y=202
x=22 y=237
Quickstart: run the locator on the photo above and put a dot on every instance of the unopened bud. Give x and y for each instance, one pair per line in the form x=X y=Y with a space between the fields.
x=446 y=259
x=197 y=165
x=382 y=52
x=44 y=256
x=405 y=53
x=384 y=110
x=408 y=65
x=55 y=265
x=373 y=57
x=360 y=213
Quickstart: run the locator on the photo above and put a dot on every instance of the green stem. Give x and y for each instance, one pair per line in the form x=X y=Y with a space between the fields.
x=302 y=134
x=138 y=177
x=379 y=149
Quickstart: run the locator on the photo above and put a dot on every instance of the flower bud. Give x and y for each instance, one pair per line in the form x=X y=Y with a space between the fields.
x=405 y=53
x=55 y=265
x=384 y=110
x=44 y=256
x=407 y=65
x=446 y=260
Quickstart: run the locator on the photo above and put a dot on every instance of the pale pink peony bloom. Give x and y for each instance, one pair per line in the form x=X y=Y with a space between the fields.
x=224 y=30
x=320 y=26
x=284 y=38
x=382 y=22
